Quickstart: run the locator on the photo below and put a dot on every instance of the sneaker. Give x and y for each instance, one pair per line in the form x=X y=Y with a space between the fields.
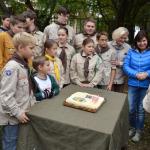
x=137 y=136
x=132 y=132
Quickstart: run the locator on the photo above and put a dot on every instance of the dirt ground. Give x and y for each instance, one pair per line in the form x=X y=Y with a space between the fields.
x=144 y=144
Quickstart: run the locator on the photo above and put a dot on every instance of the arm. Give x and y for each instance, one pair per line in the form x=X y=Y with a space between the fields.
x=8 y=89
x=62 y=77
x=112 y=77
x=73 y=71
x=55 y=87
x=129 y=71
x=1 y=51
x=98 y=73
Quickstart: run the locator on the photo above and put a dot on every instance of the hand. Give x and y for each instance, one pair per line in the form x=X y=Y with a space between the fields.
x=23 y=118
x=109 y=87
x=88 y=85
x=142 y=75
x=47 y=93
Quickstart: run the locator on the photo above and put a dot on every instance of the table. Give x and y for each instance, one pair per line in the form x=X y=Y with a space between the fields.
x=57 y=127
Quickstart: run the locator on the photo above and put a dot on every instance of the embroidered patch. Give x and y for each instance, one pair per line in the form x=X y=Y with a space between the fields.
x=8 y=72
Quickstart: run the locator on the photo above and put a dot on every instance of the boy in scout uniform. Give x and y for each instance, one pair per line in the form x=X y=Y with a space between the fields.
x=51 y=31
x=89 y=31
x=16 y=95
x=86 y=66
x=6 y=45
x=31 y=28
x=108 y=55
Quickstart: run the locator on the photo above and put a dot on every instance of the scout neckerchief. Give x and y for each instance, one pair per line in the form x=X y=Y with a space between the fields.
x=23 y=62
x=89 y=35
x=117 y=48
x=56 y=69
x=63 y=57
x=86 y=64
x=11 y=33
x=60 y=24
x=99 y=50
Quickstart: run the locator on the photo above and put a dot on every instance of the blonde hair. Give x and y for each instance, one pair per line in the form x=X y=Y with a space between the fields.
x=24 y=39
x=117 y=33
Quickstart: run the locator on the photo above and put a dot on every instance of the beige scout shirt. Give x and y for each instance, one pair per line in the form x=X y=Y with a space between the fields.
x=51 y=32
x=77 y=69
x=121 y=52
x=70 y=51
x=38 y=50
x=14 y=94
x=61 y=70
x=79 y=40
x=107 y=57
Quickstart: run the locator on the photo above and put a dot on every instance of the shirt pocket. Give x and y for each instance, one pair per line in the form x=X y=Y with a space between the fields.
x=23 y=85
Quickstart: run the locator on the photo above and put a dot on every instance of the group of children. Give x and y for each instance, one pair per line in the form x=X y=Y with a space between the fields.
x=28 y=77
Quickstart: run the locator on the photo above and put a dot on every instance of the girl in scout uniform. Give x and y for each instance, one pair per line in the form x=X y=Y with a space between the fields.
x=45 y=85
x=65 y=52
x=86 y=66
x=56 y=67
x=107 y=55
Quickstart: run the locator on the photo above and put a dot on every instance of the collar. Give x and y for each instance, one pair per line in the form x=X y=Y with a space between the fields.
x=63 y=46
x=11 y=33
x=3 y=29
x=117 y=47
x=50 y=58
x=83 y=54
x=88 y=35
x=60 y=24
x=20 y=60
x=100 y=50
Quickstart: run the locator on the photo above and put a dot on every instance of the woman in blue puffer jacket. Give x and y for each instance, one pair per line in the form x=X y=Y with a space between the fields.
x=137 y=68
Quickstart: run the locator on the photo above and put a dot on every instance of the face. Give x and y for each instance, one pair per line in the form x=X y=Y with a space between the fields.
x=63 y=18
x=27 y=51
x=45 y=69
x=122 y=39
x=17 y=27
x=29 y=22
x=52 y=51
x=89 y=27
x=6 y=22
x=89 y=48
x=103 y=41
x=142 y=44
x=62 y=36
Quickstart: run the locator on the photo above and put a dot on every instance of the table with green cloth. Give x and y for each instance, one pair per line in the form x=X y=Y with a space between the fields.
x=54 y=126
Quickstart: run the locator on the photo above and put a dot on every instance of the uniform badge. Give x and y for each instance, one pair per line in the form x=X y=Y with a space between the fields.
x=8 y=72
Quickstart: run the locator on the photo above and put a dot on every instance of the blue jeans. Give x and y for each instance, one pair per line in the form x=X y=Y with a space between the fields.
x=10 y=136
x=136 y=111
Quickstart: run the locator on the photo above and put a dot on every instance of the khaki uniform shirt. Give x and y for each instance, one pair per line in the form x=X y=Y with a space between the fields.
x=51 y=32
x=38 y=50
x=61 y=70
x=70 y=51
x=107 y=57
x=15 y=97
x=79 y=40
x=120 y=55
x=77 y=69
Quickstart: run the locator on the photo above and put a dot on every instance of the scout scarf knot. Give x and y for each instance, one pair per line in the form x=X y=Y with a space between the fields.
x=56 y=69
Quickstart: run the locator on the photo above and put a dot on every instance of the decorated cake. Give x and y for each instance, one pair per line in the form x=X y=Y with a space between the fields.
x=84 y=101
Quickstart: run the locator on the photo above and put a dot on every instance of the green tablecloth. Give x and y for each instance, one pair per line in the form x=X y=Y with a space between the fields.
x=57 y=127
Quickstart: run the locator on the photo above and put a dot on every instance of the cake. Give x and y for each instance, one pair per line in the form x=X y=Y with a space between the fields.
x=84 y=101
